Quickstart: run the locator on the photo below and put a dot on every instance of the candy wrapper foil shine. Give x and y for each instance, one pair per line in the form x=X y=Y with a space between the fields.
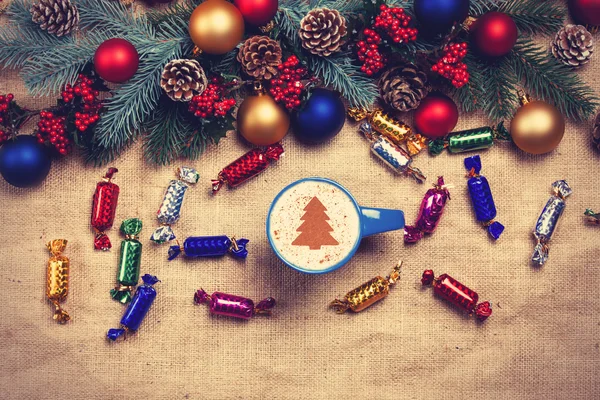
x=230 y=305
x=210 y=246
x=129 y=261
x=57 y=278
x=470 y=140
x=104 y=206
x=547 y=221
x=430 y=212
x=591 y=217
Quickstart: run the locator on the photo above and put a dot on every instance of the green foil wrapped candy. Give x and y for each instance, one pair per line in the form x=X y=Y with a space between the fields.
x=129 y=262
x=470 y=140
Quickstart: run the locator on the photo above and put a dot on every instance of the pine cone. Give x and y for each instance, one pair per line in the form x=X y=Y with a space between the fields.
x=596 y=132
x=183 y=79
x=55 y=16
x=260 y=56
x=402 y=88
x=322 y=31
x=573 y=45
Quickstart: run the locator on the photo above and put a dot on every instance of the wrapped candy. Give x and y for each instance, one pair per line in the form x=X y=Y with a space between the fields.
x=129 y=261
x=137 y=309
x=57 y=278
x=432 y=208
x=481 y=197
x=210 y=246
x=247 y=166
x=391 y=154
x=546 y=223
x=104 y=206
x=233 y=306
x=368 y=293
x=457 y=294
x=470 y=140
x=170 y=209
x=591 y=217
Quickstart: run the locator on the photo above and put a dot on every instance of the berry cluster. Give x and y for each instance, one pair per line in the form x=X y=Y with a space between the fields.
x=82 y=94
x=211 y=102
x=288 y=87
x=394 y=22
x=51 y=128
x=369 y=54
x=4 y=104
x=450 y=66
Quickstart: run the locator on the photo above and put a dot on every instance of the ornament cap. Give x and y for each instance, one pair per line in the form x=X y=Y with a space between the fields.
x=524 y=98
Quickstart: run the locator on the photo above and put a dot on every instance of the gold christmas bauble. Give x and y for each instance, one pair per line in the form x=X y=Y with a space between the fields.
x=261 y=121
x=216 y=26
x=537 y=127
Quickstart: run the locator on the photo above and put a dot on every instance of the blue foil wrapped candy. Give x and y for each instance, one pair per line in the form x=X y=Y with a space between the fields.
x=137 y=309
x=546 y=223
x=210 y=246
x=481 y=197
x=170 y=209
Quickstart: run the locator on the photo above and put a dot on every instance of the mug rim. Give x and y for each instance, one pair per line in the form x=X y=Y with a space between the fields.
x=340 y=263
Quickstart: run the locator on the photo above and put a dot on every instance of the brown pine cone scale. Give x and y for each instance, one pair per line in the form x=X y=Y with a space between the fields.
x=322 y=31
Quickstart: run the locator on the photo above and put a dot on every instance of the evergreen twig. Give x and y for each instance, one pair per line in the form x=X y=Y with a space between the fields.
x=499 y=99
x=166 y=132
x=534 y=17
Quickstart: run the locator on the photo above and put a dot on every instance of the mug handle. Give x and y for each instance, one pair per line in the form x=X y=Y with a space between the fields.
x=378 y=220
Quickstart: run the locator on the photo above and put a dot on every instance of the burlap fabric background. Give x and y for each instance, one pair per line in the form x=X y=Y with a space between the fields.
x=541 y=342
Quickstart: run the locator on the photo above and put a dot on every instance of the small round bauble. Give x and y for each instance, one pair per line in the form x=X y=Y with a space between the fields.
x=24 y=162
x=436 y=116
x=261 y=121
x=586 y=12
x=216 y=26
x=116 y=60
x=257 y=12
x=438 y=16
x=321 y=118
x=537 y=127
x=494 y=34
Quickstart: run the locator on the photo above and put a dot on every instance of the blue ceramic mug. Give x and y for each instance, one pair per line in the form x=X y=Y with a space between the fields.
x=314 y=225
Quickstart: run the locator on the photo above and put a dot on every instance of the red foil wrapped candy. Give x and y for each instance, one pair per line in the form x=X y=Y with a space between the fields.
x=432 y=208
x=104 y=206
x=233 y=306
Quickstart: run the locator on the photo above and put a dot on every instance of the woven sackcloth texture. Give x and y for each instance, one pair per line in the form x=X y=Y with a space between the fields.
x=542 y=342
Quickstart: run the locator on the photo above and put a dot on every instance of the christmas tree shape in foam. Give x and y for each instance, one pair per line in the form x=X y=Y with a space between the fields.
x=315 y=228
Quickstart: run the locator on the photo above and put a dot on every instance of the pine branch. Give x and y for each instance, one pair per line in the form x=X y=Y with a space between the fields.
x=498 y=98
x=20 y=16
x=176 y=15
x=195 y=145
x=547 y=79
x=534 y=17
x=19 y=45
x=288 y=20
x=228 y=64
x=166 y=132
x=113 y=16
x=469 y=97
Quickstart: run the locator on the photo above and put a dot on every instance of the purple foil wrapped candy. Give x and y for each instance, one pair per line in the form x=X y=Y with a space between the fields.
x=432 y=208
x=233 y=306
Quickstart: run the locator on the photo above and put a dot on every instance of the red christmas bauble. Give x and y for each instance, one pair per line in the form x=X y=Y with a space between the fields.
x=495 y=34
x=257 y=12
x=585 y=12
x=436 y=116
x=116 y=60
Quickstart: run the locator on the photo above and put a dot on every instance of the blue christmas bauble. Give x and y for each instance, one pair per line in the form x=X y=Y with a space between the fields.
x=438 y=16
x=24 y=162
x=321 y=118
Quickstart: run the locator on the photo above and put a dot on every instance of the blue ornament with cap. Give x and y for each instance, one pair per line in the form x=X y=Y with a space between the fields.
x=438 y=16
x=321 y=118
x=24 y=162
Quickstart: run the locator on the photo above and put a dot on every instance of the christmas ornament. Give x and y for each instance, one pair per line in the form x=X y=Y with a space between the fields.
x=537 y=127
x=321 y=118
x=260 y=56
x=391 y=154
x=438 y=16
x=596 y=132
x=585 y=12
x=170 y=209
x=257 y=12
x=481 y=197
x=322 y=31
x=183 y=79
x=430 y=213
x=137 y=309
x=368 y=293
x=260 y=120
x=573 y=45
x=247 y=166
x=104 y=206
x=369 y=54
x=58 y=17
x=470 y=140
x=494 y=34
x=216 y=27
x=212 y=102
x=129 y=261
x=210 y=246
x=287 y=87
x=450 y=65
x=24 y=162
x=546 y=223
x=402 y=88
x=457 y=294
x=116 y=60
x=436 y=116
x=592 y=218
x=230 y=305
x=57 y=278
x=394 y=22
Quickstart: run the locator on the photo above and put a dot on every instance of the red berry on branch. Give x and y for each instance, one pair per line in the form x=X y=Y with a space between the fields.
x=450 y=65
x=287 y=88
x=211 y=103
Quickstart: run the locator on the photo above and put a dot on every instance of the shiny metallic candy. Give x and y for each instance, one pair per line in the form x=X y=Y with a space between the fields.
x=104 y=206
x=546 y=223
x=57 y=278
x=129 y=262
x=170 y=209
x=368 y=293
x=481 y=197
x=470 y=140
x=591 y=217
x=210 y=246
x=233 y=306
x=430 y=212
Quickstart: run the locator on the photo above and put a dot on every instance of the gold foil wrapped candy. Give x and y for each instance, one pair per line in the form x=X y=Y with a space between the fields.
x=57 y=279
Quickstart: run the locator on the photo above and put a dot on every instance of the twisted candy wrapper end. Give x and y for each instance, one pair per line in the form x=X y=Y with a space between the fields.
x=340 y=306
x=122 y=296
x=483 y=311
x=592 y=217
x=274 y=151
x=495 y=229
x=174 y=251
x=412 y=234
x=131 y=227
x=163 y=234
x=540 y=253
x=60 y=315
x=217 y=184
x=473 y=163
x=102 y=242
x=150 y=280
x=501 y=133
x=57 y=246
x=201 y=296
x=562 y=189
x=416 y=174
x=240 y=251
x=113 y=334
x=265 y=306
x=188 y=175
